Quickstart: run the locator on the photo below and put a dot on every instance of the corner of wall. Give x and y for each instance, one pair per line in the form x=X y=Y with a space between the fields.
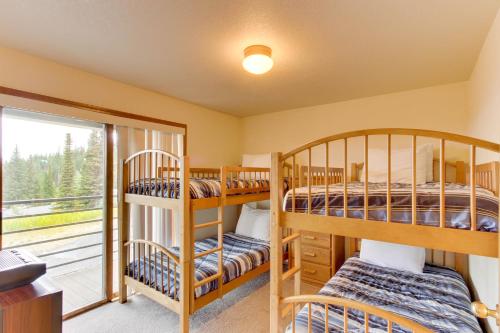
x=483 y=121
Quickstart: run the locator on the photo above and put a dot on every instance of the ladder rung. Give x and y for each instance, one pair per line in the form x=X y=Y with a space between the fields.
x=207 y=252
x=206 y=225
x=290 y=272
x=207 y=280
x=290 y=238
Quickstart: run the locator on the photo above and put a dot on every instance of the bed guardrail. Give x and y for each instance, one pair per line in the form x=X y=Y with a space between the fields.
x=144 y=255
x=239 y=180
x=205 y=173
x=153 y=170
x=255 y=180
x=294 y=302
x=485 y=175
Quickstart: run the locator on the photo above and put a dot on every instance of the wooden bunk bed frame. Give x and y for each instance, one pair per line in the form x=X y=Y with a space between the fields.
x=148 y=166
x=286 y=226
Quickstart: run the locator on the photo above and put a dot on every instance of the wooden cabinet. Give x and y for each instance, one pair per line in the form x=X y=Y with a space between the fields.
x=34 y=308
x=321 y=256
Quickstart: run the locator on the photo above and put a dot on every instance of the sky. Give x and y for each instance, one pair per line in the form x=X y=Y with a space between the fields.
x=35 y=137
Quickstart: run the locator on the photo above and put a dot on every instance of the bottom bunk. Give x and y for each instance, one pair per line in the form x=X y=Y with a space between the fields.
x=243 y=258
x=437 y=299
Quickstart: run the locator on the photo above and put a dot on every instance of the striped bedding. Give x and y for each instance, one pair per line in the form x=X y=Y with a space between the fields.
x=241 y=254
x=199 y=188
x=457 y=203
x=437 y=299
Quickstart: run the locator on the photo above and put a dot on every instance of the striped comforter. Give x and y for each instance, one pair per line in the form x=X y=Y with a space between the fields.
x=199 y=188
x=437 y=299
x=457 y=203
x=241 y=254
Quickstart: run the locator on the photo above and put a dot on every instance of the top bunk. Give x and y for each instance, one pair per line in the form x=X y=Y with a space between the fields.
x=439 y=196
x=160 y=179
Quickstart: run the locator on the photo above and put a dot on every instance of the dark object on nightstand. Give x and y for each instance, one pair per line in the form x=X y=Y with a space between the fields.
x=18 y=268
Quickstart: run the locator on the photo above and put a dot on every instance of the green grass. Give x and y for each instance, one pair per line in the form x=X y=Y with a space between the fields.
x=23 y=223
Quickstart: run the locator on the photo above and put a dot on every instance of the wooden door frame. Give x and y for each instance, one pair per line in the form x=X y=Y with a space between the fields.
x=107 y=217
x=94 y=108
x=1 y=176
x=108 y=212
x=108 y=186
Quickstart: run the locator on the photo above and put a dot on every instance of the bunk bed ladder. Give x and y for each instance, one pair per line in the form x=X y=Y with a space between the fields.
x=123 y=227
x=220 y=242
x=294 y=269
x=219 y=249
x=278 y=242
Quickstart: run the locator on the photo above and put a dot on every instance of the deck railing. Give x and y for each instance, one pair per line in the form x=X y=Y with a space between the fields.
x=62 y=226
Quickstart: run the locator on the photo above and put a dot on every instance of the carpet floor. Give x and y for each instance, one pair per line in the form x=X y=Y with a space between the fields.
x=245 y=309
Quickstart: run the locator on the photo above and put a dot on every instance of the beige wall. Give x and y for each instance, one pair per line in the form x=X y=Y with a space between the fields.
x=483 y=120
x=208 y=131
x=440 y=108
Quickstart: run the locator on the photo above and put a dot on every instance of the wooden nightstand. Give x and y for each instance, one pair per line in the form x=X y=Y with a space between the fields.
x=322 y=255
x=33 y=308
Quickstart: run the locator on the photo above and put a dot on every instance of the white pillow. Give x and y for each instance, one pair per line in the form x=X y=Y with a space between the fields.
x=256 y=160
x=401 y=165
x=254 y=223
x=402 y=257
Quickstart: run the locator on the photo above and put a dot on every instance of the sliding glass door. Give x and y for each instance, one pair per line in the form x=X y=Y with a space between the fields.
x=53 y=194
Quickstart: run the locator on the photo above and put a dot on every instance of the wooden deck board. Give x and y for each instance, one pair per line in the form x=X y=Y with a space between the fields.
x=80 y=288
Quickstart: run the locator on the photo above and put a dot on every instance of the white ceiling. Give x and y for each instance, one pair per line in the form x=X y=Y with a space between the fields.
x=324 y=50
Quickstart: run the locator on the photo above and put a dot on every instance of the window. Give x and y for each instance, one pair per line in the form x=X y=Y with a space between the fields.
x=53 y=199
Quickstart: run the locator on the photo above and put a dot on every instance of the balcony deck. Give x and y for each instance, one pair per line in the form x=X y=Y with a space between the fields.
x=72 y=250
x=80 y=287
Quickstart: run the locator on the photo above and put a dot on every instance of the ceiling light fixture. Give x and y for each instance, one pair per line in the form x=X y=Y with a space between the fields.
x=257 y=59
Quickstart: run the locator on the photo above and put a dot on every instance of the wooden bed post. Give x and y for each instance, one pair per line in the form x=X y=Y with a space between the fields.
x=192 y=221
x=276 y=243
x=185 y=246
x=123 y=227
x=220 y=230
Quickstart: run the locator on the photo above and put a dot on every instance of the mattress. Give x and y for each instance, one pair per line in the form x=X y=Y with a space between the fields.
x=241 y=254
x=457 y=203
x=199 y=188
x=437 y=299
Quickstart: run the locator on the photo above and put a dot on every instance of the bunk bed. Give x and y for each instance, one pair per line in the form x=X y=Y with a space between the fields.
x=452 y=216
x=186 y=277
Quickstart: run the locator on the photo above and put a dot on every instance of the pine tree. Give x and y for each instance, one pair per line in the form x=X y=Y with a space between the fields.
x=47 y=184
x=54 y=163
x=15 y=177
x=91 y=178
x=31 y=182
x=67 y=184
